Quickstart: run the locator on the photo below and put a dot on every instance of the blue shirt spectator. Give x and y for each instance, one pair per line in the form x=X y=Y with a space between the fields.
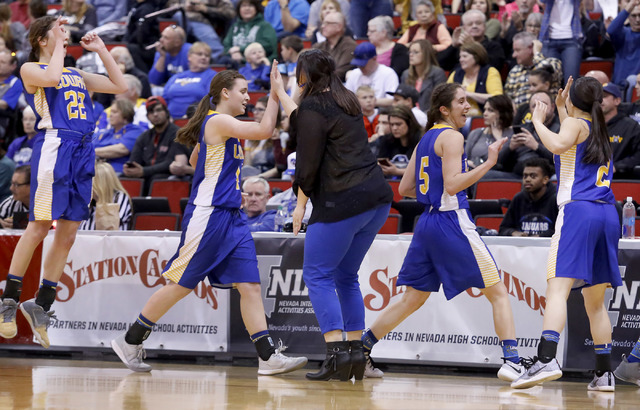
x=626 y=41
x=257 y=69
x=190 y=86
x=20 y=149
x=262 y=222
x=115 y=144
x=109 y=10
x=295 y=10
x=255 y=194
x=172 y=55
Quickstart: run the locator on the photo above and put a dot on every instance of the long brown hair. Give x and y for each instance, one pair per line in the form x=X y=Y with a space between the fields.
x=428 y=60
x=37 y=31
x=66 y=4
x=589 y=92
x=5 y=20
x=443 y=95
x=319 y=70
x=189 y=134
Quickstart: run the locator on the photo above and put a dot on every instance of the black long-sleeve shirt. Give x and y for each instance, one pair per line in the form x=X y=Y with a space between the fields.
x=533 y=217
x=334 y=165
x=153 y=156
x=624 y=134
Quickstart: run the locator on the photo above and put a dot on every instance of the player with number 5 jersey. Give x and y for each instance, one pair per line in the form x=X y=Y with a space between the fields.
x=446 y=249
x=62 y=164
x=584 y=248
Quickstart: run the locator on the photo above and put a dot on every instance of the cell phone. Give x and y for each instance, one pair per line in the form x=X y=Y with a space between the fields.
x=384 y=161
x=517 y=129
x=130 y=164
x=282 y=68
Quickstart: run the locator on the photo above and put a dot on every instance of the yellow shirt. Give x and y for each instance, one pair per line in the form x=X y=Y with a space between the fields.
x=494 y=87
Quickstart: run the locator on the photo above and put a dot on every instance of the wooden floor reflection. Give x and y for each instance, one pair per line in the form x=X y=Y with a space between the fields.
x=73 y=384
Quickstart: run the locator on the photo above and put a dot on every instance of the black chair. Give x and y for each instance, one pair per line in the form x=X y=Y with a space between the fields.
x=183 y=205
x=146 y=204
x=484 y=207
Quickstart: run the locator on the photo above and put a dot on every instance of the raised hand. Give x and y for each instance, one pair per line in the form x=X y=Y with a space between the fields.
x=494 y=150
x=92 y=42
x=276 y=79
x=540 y=112
x=58 y=30
x=563 y=94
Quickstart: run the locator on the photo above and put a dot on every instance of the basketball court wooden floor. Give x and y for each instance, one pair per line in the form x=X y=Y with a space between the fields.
x=33 y=383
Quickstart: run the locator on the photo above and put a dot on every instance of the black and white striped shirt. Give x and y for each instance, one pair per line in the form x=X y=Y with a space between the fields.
x=123 y=202
x=10 y=206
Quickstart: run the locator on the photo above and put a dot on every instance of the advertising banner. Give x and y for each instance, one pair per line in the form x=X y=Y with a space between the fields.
x=108 y=279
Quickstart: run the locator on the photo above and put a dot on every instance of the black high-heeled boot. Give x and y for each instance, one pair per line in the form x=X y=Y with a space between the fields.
x=358 y=360
x=337 y=365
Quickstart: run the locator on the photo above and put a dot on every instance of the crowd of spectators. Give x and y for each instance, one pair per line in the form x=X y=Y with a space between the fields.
x=506 y=56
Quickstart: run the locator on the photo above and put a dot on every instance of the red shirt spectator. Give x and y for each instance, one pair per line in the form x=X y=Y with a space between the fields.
x=20 y=12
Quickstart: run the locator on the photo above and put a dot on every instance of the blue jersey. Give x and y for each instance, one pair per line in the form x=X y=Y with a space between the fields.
x=66 y=106
x=578 y=181
x=429 y=181
x=216 y=180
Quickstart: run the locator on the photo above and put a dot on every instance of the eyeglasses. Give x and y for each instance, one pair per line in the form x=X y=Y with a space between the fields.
x=634 y=16
x=15 y=184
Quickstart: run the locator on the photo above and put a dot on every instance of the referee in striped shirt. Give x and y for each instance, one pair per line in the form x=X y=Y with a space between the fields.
x=19 y=200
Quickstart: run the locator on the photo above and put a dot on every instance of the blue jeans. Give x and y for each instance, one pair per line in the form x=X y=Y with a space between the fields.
x=364 y=10
x=203 y=32
x=333 y=253
x=569 y=51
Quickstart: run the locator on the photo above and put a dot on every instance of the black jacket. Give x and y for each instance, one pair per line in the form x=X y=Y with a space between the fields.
x=533 y=217
x=624 y=134
x=513 y=161
x=144 y=151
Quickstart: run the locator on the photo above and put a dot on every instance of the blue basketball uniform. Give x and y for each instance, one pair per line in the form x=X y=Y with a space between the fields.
x=585 y=243
x=445 y=249
x=216 y=241
x=62 y=164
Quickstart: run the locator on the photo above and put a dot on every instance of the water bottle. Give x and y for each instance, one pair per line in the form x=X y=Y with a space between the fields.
x=279 y=219
x=629 y=219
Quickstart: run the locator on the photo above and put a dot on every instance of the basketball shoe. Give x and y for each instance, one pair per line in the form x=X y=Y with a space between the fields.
x=606 y=382
x=370 y=370
x=38 y=319
x=538 y=373
x=628 y=372
x=279 y=363
x=511 y=371
x=131 y=355
x=8 y=309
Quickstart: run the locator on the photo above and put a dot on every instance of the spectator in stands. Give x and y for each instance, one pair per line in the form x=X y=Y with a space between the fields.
x=257 y=69
x=142 y=32
x=561 y=35
x=250 y=27
x=473 y=29
x=202 y=17
x=367 y=98
x=6 y=170
x=524 y=145
x=382 y=128
x=115 y=144
x=423 y=72
x=632 y=109
x=324 y=7
x=14 y=34
x=479 y=79
x=624 y=134
x=252 y=145
x=394 y=150
x=533 y=24
x=492 y=26
x=190 y=86
x=518 y=6
x=408 y=96
x=369 y=72
x=20 y=149
x=20 y=12
x=626 y=41
x=81 y=18
x=149 y=157
x=498 y=116
x=290 y=48
x=171 y=55
x=37 y=9
x=125 y=62
x=287 y=16
x=109 y=10
x=10 y=92
x=392 y=54
x=428 y=27
x=514 y=18
x=517 y=83
x=255 y=194
x=340 y=46
x=19 y=199
x=601 y=76
x=132 y=94
x=112 y=198
x=364 y=10
x=539 y=80
x=532 y=211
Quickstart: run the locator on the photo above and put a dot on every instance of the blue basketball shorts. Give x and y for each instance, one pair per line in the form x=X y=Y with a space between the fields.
x=447 y=250
x=215 y=243
x=585 y=244
x=62 y=170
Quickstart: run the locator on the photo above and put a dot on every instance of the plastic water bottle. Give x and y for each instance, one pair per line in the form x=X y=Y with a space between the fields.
x=629 y=219
x=279 y=219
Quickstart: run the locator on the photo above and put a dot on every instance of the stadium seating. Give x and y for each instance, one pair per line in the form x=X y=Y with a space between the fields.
x=623 y=188
x=174 y=190
x=497 y=189
x=133 y=186
x=489 y=221
x=155 y=221
x=392 y=225
x=148 y=204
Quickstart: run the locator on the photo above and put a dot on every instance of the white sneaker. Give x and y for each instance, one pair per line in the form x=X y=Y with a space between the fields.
x=606 y=382
x=8 y=309
x=131 y=355
x=628 y=372
x=370 y=371
x=279 y=363
x=538 y=373
x=511 y=371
